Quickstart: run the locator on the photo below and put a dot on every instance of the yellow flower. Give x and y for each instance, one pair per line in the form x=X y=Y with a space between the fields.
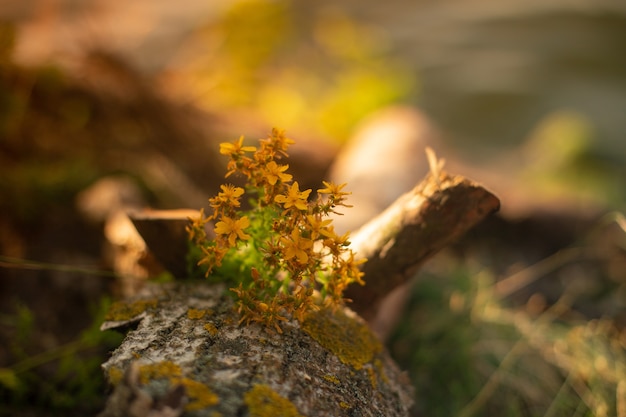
x=229 y=196
x=274 y=172
x=349 y=269
x=317 y=226
x=280 y=142
x=293 y=197
x=336 y=198
x=335 y=242
x=297 y=246
x=233 y=229
x=195 y=229
x=212 y=257
x=236 y=148
x=333 y=189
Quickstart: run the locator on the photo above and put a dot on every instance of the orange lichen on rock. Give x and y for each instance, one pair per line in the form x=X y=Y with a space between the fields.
x=210 y=327
x=195 y=314
x=263 y=401
x=200 y=395
x=124 y=310
x=347 y=337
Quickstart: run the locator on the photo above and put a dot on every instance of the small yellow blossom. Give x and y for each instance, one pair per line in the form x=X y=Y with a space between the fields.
x=349 y=268
x=274 y=172
x=336 y=196
x=235 y=148
x=317 y=226
x=279 y=141
x=213 y=256
x=293 y=197
x=333 y=189
x=228 y=196
x=335 y=242
x=297 y=246
x=195 y=229
x=238 y=161
x=233 y=228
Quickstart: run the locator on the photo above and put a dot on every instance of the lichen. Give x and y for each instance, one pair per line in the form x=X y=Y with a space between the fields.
x=200 y=396
x=350 y=340
x=344 y=405
x=372 y=376
x=115 y=375
x=262 y=401
x=195 y=314
x=165 y=369
x=380 y=368
x=332 y=378
x=210 y=327
x=123 y=310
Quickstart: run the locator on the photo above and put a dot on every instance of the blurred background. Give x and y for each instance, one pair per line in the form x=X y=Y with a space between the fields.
x=108 y=106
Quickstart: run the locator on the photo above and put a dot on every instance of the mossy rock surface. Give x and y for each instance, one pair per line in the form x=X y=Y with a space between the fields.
x=189 y=354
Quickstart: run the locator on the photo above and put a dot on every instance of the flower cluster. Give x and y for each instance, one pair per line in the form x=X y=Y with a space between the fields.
x=282 y=255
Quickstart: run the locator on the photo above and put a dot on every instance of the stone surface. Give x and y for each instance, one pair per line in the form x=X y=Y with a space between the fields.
x=189 y=337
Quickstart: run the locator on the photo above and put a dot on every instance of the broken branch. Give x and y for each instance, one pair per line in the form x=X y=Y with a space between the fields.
x=416 y=226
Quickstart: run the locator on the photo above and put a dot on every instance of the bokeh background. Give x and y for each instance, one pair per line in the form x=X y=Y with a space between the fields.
x=107 y=106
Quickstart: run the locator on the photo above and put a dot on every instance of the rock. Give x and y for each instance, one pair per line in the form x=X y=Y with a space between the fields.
x=188 y=340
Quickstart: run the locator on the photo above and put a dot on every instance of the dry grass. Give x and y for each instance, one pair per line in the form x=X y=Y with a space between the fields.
x=470 y=352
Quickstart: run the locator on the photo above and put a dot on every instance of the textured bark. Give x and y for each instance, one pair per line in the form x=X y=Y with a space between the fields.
x=189 y=356
x=417 y=225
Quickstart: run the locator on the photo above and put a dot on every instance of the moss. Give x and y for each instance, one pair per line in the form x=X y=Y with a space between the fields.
x=262 y=401
x=350 y=340
x=200 y=396
x=210 y=327
x=123 y=310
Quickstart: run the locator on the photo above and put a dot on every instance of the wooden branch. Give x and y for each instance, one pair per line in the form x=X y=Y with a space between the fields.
x=189 y=356
x=417 y=225
x=165 y=235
